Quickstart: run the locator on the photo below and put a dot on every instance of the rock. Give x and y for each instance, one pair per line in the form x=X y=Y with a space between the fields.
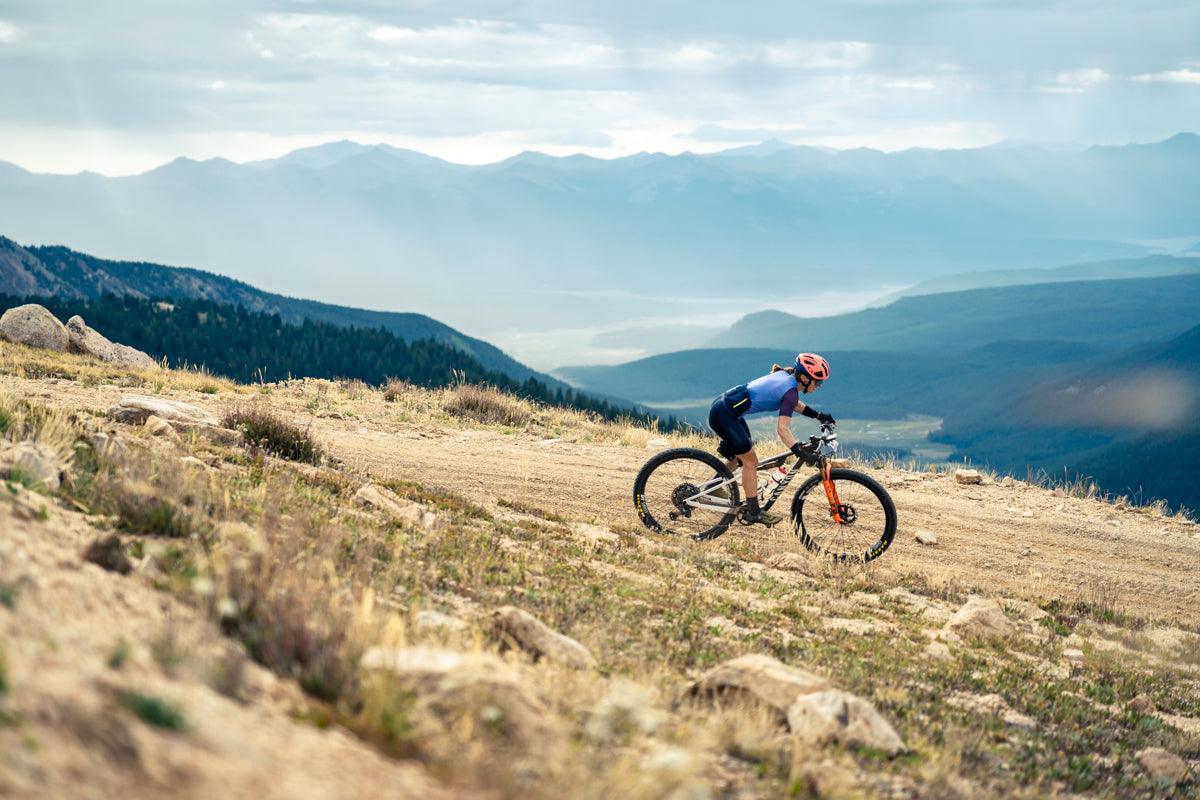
x=1019 y=720
x=761 y=678
x=625 y=709
x=837 y=716
x=793 y=562
x=841 y=463
x=1142 y=704
x=536 y=638
x=980 y=618
x=82 y=339
x=938 y=651
x=453 y=685
x=33 y=462
x=1027 y=610
x=385 y=500
x=34 y=326
x=968 y=476
x=109 y=553
x=1160 y=764
x=1007 y=481
x=157 y=426
x=926 y=537
x=1073 y=654
x=134 y=409
x=109 y=447
x=657 y=443
x=430 y=620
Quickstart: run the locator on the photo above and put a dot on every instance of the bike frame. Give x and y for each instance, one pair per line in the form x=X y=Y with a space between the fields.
x=768 y=465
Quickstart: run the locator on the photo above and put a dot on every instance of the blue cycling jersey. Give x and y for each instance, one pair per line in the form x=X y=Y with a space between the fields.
x=777 y=391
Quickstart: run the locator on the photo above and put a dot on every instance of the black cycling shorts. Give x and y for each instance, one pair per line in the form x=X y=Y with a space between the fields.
x=732 y=428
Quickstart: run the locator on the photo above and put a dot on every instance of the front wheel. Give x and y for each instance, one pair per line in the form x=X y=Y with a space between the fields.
x=867 y=514
x=686 y=492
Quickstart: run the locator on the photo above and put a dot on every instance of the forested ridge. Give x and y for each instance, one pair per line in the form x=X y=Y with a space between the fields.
x=248 y=346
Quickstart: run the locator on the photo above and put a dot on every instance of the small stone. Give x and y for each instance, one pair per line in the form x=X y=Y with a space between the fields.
x=109 y=553
x=134 y=409
x=1142 y=704
x=759 y=677
x=1073 y=654
x=1160 y=764
x=539 y=640
x=968 y=476
x=33 y=462
x=157 y=426
x=657 y=443
x=980 y=618
x=837 y=716
x=939 y=651
x=430 y=620
x=926 y=537
x=1019 y=720
x=1027 y=514
x=1007 y=481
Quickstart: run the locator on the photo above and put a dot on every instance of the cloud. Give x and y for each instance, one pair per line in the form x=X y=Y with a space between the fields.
x=8 y=32
x=909 y=83
x=1173 y=76
x=1076 y=81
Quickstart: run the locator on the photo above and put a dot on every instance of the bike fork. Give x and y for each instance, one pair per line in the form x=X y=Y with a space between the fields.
x=835 y=505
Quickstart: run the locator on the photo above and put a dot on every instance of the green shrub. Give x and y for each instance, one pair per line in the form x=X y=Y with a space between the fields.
x=275 y=435
x=154 y=710
x=152 y=516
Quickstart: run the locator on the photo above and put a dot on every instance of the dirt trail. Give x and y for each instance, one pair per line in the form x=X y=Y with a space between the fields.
x=1016 y=541
x=1067 y=547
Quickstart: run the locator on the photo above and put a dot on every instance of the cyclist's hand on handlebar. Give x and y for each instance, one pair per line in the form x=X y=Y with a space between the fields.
x=802 y=453
x=825 y=418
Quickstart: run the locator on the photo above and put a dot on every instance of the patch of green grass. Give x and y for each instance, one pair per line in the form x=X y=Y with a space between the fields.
x=154 y=710
x=152 y=516
x=119 y=654
x=273 y=434
x=8 y=596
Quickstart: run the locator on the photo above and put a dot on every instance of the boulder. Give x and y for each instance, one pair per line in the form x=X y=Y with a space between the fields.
x=82 y=339
x=134 y=409
x=980 y=618
x=625 y=709
x=453 y=685
x=837 y=716
x=33 y=462
x=968 y=476
x=108 y=552
x=1161 y=764
x=539 y=640
x=760 y=678
x=392 y=505
x=33 y=325
x=157 y=426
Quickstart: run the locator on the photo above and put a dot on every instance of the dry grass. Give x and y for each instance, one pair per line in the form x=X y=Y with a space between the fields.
x=307 y=583
x=29 y=362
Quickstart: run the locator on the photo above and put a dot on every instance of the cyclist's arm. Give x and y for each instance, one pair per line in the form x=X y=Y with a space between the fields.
x=783 y=426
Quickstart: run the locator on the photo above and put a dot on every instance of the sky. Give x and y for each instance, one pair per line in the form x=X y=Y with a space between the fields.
x=122 y=86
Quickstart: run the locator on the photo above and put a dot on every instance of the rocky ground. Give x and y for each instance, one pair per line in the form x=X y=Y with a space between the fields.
x=453 y=596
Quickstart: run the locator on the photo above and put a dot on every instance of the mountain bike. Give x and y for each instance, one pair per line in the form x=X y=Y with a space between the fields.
x=691 y=492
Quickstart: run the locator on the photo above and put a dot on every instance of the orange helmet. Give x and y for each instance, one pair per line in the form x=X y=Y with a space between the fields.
x=813 y=366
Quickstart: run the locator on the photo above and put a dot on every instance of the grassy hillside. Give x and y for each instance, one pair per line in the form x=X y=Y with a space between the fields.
x=62 y=272
x=231 y=341
x=1110 y=314
x=1115 y=269
x=345 y=625
x=1130 y=421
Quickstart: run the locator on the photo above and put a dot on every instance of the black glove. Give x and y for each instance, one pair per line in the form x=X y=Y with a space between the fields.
x=825 y=418
x=806 y=456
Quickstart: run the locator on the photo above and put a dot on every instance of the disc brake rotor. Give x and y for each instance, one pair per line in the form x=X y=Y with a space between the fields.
x=847 y=514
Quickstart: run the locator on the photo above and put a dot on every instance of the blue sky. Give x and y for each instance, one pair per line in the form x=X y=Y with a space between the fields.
x=122 y=86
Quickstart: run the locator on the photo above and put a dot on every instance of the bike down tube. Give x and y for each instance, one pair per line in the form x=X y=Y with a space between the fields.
x=835 y=505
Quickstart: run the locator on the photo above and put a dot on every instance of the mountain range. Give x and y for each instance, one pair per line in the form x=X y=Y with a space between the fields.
x=528 y=240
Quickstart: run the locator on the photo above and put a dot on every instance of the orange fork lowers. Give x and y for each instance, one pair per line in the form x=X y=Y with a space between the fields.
x=835 y=505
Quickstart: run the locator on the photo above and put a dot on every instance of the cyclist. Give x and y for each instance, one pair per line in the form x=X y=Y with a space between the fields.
x=778 y=391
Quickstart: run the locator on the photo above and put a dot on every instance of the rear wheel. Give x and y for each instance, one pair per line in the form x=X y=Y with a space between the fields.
x=674 y=493
x=867 y=512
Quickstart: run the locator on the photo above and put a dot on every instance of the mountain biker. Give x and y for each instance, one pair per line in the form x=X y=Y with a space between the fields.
x=780 y=391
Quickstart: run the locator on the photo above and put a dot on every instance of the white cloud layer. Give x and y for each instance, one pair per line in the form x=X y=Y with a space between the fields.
x=475 y=80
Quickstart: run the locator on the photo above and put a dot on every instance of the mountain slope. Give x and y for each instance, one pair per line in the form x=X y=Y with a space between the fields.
x=355 y=224
x=59 y=271
x=1110 y=313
